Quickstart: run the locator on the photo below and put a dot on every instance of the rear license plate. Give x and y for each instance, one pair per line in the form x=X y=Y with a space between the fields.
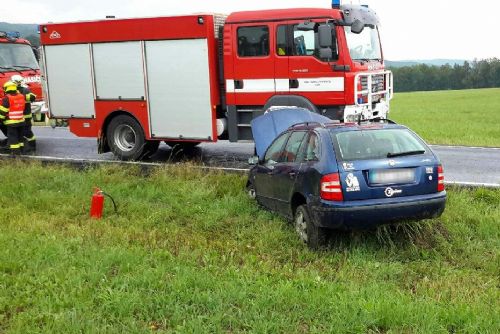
x=392 y=176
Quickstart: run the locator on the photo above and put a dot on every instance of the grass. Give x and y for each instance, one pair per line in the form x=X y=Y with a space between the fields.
x=462 y=117
x=188 y=252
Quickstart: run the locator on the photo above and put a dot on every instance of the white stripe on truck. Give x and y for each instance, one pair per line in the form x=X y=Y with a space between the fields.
x=321 y=84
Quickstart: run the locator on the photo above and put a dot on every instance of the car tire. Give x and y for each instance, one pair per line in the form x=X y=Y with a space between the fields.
x=126 y=138
x=314 y=236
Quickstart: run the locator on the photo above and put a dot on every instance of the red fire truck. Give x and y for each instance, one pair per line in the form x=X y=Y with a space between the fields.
x=189 y=79
x=18 y=57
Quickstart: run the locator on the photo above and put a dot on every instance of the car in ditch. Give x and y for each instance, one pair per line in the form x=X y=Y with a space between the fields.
x=325 y=175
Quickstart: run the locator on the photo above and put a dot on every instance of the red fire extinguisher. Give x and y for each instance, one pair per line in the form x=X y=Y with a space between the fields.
x=97 y=203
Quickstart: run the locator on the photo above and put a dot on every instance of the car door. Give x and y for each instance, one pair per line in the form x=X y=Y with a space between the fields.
x=264 y=181
x=286 y=170
x=309 y=176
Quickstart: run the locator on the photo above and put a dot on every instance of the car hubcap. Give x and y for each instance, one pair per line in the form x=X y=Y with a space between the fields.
x=301 y=226
x=125 y=137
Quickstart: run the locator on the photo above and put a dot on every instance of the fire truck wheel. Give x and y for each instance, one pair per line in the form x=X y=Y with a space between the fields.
x=126 y=138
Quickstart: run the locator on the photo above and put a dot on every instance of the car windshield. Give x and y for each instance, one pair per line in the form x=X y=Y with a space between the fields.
x=363 y=46
x=17 y=57
x=377 y=144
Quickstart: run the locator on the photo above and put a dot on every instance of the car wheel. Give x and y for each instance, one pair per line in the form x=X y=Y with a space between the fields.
x=126 y=138
x=308 y=232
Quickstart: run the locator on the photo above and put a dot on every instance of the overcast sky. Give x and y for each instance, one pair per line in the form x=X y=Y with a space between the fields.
x=415 y=29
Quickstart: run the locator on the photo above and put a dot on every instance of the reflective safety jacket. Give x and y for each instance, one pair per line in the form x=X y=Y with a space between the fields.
x=29 y=98
x=12 y=108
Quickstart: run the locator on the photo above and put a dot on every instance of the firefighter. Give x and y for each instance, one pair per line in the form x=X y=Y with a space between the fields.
x=29 y=136
x=12 y=115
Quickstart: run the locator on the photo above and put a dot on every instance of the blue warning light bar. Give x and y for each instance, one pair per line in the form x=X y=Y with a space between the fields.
x=336 y=4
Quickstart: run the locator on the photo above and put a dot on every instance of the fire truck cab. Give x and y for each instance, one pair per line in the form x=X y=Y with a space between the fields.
x=133 y=83
x=327 y=60
x=18 y=57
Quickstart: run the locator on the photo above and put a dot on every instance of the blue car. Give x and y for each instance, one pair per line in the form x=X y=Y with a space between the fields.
x=325 y=175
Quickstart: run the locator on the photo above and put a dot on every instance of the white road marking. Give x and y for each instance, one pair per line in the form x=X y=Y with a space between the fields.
x=472 y=184
x=466 y=147
x=119 y=162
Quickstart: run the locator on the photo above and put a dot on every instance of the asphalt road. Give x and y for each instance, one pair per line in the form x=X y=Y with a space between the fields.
x=461 y=164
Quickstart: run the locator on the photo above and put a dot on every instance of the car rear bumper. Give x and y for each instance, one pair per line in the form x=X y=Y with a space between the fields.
x=362 y=215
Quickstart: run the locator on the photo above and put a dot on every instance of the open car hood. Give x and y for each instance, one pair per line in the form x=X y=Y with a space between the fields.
x=267 y=127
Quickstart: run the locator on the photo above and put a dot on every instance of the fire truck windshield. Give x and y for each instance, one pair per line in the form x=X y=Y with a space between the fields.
x=15 y=57
x=364 y=46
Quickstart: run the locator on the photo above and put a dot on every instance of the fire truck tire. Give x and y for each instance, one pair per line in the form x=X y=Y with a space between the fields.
x=126 y=138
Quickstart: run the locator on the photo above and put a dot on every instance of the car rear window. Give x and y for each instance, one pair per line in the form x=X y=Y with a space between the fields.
x=377 y=144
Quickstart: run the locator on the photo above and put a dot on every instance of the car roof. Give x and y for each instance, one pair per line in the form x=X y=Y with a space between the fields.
x=340 y=127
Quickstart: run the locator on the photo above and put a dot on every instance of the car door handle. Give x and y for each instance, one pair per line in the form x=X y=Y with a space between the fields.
x=294 y=83
x=292 y=174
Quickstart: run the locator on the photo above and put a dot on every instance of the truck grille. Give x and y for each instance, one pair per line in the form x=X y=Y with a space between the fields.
x=378 y=83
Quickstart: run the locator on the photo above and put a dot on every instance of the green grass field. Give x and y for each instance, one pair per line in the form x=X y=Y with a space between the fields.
x=188 y=252
x=462 y=117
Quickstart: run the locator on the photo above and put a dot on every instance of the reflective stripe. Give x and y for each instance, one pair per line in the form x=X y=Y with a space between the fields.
x=14 y=146
x=28 y=116
x=16 y=115
x=31 y=139
x=10 y=121
x=2 y=108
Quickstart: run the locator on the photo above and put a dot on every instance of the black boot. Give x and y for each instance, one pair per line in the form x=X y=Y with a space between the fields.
x=29 y=147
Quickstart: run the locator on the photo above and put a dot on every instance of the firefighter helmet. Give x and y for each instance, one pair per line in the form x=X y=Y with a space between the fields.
x=17 y=79
x=9 y=86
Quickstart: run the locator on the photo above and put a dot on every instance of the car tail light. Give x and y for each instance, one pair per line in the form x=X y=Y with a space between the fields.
x=330 y=187
x=440 y=179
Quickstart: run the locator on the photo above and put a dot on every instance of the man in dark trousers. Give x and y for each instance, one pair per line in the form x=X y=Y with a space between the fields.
x=12 y=115
x=29 y=136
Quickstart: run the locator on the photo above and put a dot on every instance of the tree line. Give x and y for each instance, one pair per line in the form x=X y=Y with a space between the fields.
x=475 y=74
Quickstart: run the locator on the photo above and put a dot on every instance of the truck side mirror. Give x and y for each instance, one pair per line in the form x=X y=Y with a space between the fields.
x=357 y=26
x=325 y=36
x=325 y=53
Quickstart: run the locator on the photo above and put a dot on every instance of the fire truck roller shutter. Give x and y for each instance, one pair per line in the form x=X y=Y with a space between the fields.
x=179 y=89
x=69 y=76
x=119 y=71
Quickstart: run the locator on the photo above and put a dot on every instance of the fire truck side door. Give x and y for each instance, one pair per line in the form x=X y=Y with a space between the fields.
x=316 y=79
x=253 y=64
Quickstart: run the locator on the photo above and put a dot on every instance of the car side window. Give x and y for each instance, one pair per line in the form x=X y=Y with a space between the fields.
x=290 y=153
x=312 y=148
x=274 y=151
